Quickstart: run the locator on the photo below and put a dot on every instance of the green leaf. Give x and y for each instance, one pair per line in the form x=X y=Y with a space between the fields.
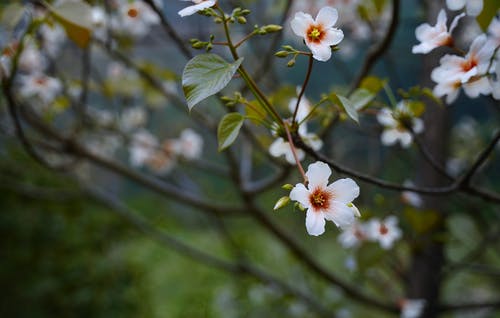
x=361 y=98
x=228 y=129
x=373 y=84
x=206 y=75
x=76 y=18
x=346 y=104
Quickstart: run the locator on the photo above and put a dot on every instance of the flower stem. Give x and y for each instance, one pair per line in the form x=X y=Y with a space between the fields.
x=294 y=152
x=303 y=88
x=246 y=77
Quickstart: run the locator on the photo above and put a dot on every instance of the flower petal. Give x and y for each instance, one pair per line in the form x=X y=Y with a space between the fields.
x=320 y=52
x=327 y=17
x=315 y=223
x=317 y=175
x=340 y=214
x=333 y=37
x=455 y=4
x=197 y=7
x=300 y=194
x=300 y=23
x=344 y=190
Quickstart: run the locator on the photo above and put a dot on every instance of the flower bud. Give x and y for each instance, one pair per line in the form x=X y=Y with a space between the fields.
x=272 y=28
x=281 y=54
x=198 y=45
x=282 y=202
x=288 y=48
x=245 y=12
x=287 y=186
x=299 y=206
x=242 y=20
x=291 y=63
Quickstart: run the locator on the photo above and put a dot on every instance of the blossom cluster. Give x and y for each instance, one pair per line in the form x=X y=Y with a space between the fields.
x=385 y=232
x=476 y=71
x=160 y=157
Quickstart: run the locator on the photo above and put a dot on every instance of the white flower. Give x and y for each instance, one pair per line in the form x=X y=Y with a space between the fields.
x=385 y=232
x=142 y=147
x=468 y=72
x=394 y=129
x=31 y=59
x=322 y=201
x=132 y=118
x=40 y=86
x=189 y=145
x=412 y=308
x=432 y=37
x=473 y=7
x=353 y=235
x=318 y=34
x=198 y=6
x=135 y=18
x=163 y=159
x=53 y=36
x=280 y=147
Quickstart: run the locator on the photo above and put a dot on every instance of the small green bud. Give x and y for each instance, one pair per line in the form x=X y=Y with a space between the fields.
x=226 y=99
x=261 y=31
x=282 y=202
x=242 y=20
x=281 y=54
x=209 y=47
x=299 y=206
x=272 y=28
x=288 y=48
x=198 y=45
x=287 y=186
x=245 y=12
x=218 y=20
x=193 y=41
x=291 y=63
x=236 y=12
x=231 y=20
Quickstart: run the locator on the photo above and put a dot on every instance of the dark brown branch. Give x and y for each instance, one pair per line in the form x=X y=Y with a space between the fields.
x=200 y=256
x=170 y=31
x=377 y=50
x=302 y=255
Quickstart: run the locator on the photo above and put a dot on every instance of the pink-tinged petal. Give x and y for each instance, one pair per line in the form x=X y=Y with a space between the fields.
x=300 y=23
x=425 y=32
x=333 y=37
x=474 y=7
x=454 y=23
x=477 y=45
x=455 y=4
x=340 y=214
x=315 y=223
x=327 y=17
x=344 y=190
x=195 y=8
x=389 y=137
x=300 y=194
x=317 y=175
x=320 y=52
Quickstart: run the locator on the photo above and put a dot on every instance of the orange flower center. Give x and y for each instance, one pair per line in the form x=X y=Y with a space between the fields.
x=41 y=81
x=315 y=33
x=320 y=200
x=133 y=12
x=469 y=64
x=383 y=229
